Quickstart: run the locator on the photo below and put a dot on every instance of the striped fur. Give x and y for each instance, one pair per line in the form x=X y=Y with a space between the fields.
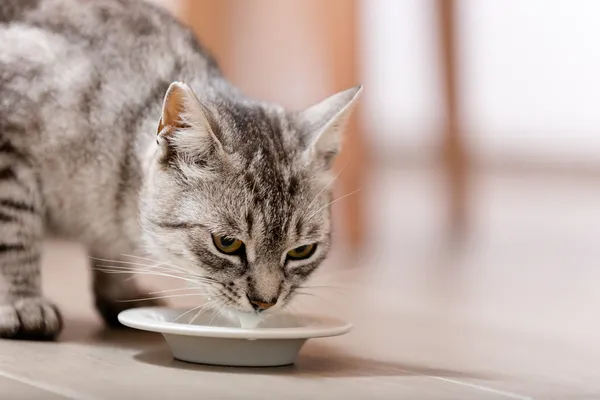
x=82 y=85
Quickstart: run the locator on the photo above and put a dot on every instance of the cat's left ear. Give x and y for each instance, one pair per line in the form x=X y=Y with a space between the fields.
x=184 y=128
x=324 y=125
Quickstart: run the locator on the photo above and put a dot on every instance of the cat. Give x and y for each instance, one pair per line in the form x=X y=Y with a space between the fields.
x=117 y=129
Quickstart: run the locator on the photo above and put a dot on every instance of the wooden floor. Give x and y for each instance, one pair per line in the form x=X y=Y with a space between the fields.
x=511 y=313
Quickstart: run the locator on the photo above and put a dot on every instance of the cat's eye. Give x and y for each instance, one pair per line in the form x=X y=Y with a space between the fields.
x=228 y=245
x=302 y=252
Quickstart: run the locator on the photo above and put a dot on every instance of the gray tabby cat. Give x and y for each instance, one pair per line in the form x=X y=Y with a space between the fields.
x=100 y=142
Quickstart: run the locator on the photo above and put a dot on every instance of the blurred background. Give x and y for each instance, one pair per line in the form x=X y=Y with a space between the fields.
x=472 y=167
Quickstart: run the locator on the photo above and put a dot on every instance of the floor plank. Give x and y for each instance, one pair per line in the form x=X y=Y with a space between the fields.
x=23 y=390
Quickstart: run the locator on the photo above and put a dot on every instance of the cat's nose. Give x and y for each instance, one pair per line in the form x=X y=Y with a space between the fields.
x=261 y=305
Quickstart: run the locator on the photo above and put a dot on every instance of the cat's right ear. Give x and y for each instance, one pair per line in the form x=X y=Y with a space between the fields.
x=184 y=129
x=324 y=125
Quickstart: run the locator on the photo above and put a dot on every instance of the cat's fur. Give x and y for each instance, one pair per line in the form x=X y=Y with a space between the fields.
x=82 y=89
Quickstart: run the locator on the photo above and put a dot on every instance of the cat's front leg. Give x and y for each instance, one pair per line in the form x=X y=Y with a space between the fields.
x=24 y=312
x=115 y=292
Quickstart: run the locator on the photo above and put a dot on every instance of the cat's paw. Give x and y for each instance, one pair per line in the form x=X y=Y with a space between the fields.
x=110 y=308
x=33 y=318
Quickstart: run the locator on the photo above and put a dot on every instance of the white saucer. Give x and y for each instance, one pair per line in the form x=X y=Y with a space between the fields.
x=214 y=339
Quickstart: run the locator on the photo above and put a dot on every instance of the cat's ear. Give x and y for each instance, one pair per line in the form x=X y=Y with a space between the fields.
x=324 y=125
x=184 y=128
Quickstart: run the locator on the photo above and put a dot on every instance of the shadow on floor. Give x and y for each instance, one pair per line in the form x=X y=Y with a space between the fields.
x=92 y=333
x=330 y=364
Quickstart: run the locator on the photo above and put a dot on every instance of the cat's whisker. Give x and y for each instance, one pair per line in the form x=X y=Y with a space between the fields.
x=218 y=312
x=337 y=277
x=326 y=186
x=122 y=262
x=150 y=268
x=161 y=270
x=206 y=307
x=336 y=289
x=161 y=297
x=320 y=286
x=189 y=311
x=291 y=307
x=136 y=265
x=334 y=201
x=301 y=293
x=182 y=269
x=140 y=267
x=159 y=266
x=157 y=261
x=177 y=289
x=146 y=258
x=108 y=270
x=209 y=305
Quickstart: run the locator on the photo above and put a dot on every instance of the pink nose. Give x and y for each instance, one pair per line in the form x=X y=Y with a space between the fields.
x=260 y=305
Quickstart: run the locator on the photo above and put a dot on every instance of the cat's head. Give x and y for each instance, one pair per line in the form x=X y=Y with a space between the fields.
x=238 y=194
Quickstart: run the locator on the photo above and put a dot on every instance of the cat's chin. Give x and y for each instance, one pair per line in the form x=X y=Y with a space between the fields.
x=245 y=320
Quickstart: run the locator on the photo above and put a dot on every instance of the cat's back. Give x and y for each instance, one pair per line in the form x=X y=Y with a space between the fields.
x=88 y=59
x=81 y=88
x=128 y=31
